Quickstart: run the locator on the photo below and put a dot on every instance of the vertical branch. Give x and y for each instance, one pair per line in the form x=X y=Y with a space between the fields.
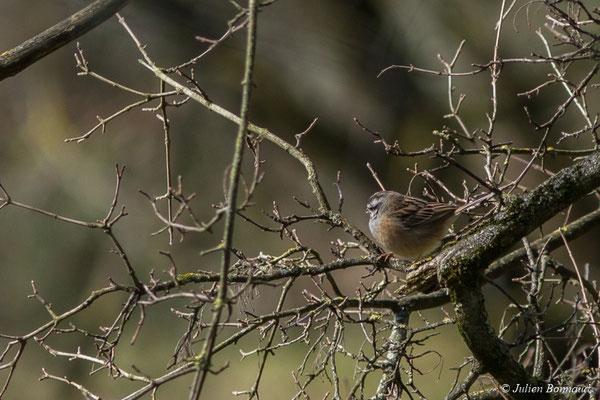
x=338 y=333
x=495 y=74
x=234 y=178
x=454 y=109
x=587 y=306
x=286 y=288
x=537 y=266
x=166 y=129
x=391 y=374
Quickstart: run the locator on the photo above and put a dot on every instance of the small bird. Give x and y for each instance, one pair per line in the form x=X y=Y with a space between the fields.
x=407 y=226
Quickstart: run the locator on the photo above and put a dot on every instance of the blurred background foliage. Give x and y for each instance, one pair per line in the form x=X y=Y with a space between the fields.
x=316 y=59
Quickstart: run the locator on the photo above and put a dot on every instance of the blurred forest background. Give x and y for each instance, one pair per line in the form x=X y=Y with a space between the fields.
x=315 y=59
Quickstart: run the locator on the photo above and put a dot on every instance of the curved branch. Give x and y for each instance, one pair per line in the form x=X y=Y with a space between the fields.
x=17 y=59
x=328 y=214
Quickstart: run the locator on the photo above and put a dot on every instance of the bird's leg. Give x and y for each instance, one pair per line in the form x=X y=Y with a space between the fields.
x=385 y=257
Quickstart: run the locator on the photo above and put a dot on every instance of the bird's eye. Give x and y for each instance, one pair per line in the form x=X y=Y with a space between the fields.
x=372 y=206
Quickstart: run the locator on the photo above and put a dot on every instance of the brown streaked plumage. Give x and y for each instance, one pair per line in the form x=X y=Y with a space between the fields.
x=407 y=226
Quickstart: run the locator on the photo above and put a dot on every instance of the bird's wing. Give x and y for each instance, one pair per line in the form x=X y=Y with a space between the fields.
x=415 y=212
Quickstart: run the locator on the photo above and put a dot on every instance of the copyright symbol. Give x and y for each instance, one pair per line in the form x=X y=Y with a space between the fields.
x=505 y=388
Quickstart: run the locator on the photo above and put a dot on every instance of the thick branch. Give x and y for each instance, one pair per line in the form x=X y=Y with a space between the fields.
x=17 y=59
x=462 y=265
x=458 y=264
x=391 y=372
x=492 y=354
x=521 y=216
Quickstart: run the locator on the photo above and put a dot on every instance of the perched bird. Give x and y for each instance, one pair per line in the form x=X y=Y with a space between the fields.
x=407 y=226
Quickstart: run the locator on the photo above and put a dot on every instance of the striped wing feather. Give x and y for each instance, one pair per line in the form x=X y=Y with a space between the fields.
x=415 y=211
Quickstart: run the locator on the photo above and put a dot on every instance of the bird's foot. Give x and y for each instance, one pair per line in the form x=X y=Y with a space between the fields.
x=385 y=257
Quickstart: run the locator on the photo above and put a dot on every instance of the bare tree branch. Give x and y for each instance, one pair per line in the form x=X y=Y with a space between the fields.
x=17 y=59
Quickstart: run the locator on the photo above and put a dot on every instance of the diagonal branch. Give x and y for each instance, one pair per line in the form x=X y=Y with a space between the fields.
x=522 y=215
x=17 y=59
x=461 y=265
